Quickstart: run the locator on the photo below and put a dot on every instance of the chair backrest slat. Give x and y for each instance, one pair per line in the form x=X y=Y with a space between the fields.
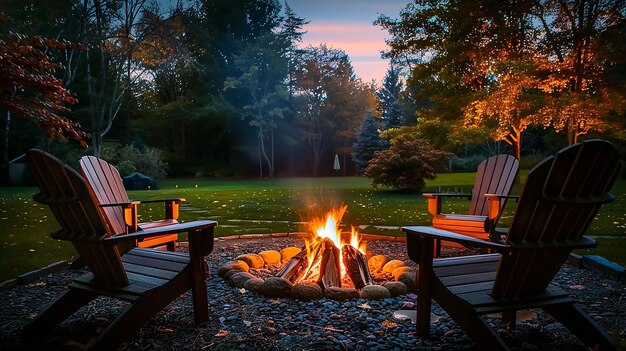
x=494 y=176
x=561 y=197
x=107 y=187
x=68 y=197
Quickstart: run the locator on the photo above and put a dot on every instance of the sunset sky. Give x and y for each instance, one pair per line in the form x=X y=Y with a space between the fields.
x=347 y=25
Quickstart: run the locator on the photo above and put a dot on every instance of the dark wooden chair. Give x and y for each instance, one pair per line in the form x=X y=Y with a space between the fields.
x=560 y=199
x=146 y=278
x=494 y=179
x=120 y=213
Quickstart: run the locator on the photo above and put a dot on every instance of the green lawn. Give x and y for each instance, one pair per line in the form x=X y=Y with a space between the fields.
x=266 y=206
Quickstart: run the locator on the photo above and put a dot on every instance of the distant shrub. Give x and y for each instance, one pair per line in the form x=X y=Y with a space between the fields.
x=530 y=161
x=128 y=159
x=466 y=164
x=406 y=164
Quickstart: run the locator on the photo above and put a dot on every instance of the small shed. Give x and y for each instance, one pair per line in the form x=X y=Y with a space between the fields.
x=139 y=181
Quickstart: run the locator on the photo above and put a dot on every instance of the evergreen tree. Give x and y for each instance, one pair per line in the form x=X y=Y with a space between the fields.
x=389 y=96
x=367 y=142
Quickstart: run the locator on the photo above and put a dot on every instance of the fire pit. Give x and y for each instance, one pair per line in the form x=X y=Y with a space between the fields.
x=330 y=264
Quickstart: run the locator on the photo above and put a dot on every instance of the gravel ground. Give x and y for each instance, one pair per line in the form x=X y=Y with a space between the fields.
x=241 y=320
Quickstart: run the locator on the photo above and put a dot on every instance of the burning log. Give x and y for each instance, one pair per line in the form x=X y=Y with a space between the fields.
x=295 y=267
x=356 y=266
x=298 y=266
x=330 y=266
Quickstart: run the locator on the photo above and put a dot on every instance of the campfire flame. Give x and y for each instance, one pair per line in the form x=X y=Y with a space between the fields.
x=327 y=227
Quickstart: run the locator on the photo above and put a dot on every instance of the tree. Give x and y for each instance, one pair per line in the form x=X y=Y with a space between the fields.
x=406 y=164
x=331 y=101
x=575 y=33
x=452 y=48
x=510 y=107
x=28 y=88
x=263 y=94
x=389 y=96
x=368 y=141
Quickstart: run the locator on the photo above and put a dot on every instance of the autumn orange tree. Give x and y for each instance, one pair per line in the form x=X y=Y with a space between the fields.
x=29 y=89
x=510 y=104
x=453 y=50
x=331 y=102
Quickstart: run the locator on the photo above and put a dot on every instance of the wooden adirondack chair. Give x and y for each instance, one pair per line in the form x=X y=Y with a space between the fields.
x=560 y=199
x=120 y=213
x=149 y=279
x=494 y=179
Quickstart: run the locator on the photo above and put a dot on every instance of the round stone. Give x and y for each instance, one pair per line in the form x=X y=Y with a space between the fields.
x=239 y=279
x=374 y=292
x=377 y=262
x=270 y=256
x=237 y=266
x=408 y=278
x=253 y=284
x=276 y=287
x=288 y=252
x=307 y=291
x=391 y=265
x=253 y=260
x=341 y=294
x=396 y=272
x=395 y=288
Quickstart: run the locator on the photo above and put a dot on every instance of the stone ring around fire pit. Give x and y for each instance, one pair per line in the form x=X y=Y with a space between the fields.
x=256 y=273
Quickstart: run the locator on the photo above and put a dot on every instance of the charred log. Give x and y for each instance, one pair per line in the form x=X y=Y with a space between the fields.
x=356 y=266
x=295 y=267
x=330 y=266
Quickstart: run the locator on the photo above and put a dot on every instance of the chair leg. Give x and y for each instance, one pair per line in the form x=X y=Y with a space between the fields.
x=171 y=246
x=581 y=324
x=58 y=311
x=198 y=274
x=509 y=319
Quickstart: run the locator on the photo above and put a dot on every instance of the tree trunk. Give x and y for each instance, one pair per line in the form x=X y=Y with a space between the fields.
x=270 y=165
x=7 y=129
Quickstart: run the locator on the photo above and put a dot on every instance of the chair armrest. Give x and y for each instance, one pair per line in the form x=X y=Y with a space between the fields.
x=169 y=229
x=130 y=213
x=121 y=204
x=171 y=206
x=176 y=199
x=434 y=205
x=444 y=235
x=580 y=243
x=514 y=197
x=200 y=235
x=429 y=195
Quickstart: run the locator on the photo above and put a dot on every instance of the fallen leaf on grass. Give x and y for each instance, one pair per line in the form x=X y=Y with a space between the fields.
x=222 y=333
x=577 y=287
x=364 y=306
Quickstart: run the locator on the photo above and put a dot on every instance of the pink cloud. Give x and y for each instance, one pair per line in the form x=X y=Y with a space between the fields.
x=362 y=42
